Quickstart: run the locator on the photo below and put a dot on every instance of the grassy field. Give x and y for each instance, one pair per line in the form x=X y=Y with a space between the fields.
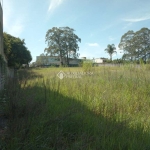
x=108 y=109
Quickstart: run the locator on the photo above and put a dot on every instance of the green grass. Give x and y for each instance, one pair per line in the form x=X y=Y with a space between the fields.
x=108 y=110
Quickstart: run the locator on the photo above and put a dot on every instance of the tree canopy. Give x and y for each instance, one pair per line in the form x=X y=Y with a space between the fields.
x=110 y=50
x=15 y=51
x=136 y=45
x=62 y=42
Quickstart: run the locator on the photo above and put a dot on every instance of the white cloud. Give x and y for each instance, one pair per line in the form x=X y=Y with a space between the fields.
x=143 y=18
x=93 y=44
x=54 y=4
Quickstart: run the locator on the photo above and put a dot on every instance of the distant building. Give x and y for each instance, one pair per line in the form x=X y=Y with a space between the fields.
x=55 y=61
x=99 y=61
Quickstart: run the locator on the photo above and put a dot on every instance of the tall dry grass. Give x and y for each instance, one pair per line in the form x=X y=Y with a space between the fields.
x=108 y=109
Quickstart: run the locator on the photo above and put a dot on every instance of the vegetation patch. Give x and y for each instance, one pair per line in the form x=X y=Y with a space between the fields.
x=107 y=110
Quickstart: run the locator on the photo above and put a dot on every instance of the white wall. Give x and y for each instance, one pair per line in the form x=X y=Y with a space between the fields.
x=98 y=60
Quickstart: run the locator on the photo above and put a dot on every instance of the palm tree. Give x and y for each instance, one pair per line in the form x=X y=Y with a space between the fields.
x=110 y=50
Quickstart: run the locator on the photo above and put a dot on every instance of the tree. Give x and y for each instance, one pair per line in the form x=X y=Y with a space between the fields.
x=110 y=50
x=142 y=38
x=70 y=44
x=42 y=60
x=62 y=42
x=7 y=44
x=15 y=51
x=126 y=44
x=136 y=45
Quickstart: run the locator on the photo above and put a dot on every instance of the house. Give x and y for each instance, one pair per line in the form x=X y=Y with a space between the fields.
x=55 y=61
x=99 y=61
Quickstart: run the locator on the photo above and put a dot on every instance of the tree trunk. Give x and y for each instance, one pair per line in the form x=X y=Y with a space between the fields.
x=67 y=60
x=110 y=57
x=61 y=61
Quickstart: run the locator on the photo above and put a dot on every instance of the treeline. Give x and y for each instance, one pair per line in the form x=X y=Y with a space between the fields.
x=136 y=45
x=15 y=51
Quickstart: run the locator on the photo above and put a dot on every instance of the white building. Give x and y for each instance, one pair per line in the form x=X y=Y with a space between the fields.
x=98 y=60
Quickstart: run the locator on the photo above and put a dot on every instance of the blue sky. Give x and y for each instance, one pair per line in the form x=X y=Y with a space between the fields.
x=97 y=22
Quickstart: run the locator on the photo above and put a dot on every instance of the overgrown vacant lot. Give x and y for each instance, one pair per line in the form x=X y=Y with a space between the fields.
x=107 y=110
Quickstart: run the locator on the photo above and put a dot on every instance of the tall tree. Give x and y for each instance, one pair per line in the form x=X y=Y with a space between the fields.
x=62 y=42
x=70 y=44
x=142 y=38
x=126 y=44
x=15 y=50
x=54 y=42
x=136 y=45
x=110 y=50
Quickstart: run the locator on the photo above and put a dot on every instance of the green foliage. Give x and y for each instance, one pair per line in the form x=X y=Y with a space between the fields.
x=81 y=63
x=7 y=44
x=148 y=61
x=87 y=65
x=141 y=61
x=136 y=45
x=107 y=61
x=117 y=61
x=3 y=73
x=62 y=42
x=3 y=66
x=16 y=52
x=110 y=50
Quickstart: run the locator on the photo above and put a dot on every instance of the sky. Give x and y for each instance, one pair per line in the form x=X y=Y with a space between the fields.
x=97 y=22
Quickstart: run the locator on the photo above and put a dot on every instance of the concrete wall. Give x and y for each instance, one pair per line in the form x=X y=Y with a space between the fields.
x=1 y=30
x=2 y=77
x=2 y=69
x=10 y=73
x=5 y=72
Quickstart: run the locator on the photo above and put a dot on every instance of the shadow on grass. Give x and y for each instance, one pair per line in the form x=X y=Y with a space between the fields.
x=28 y=74
x=40 y=118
